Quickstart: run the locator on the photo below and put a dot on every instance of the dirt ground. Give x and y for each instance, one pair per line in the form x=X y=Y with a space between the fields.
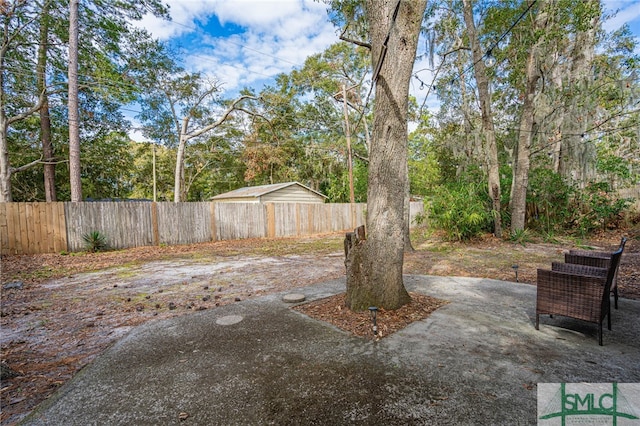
x=59 y=312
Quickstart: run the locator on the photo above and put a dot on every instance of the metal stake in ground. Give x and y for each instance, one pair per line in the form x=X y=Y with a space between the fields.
x=374 y=312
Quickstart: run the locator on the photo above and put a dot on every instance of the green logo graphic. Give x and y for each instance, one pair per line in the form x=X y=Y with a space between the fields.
x=565 y=404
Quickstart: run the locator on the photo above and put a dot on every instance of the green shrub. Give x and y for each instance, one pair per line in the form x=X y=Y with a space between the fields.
x=521 y=236
x=95 y=241
x=462 y=210
x=598 y=207
x=548 y=201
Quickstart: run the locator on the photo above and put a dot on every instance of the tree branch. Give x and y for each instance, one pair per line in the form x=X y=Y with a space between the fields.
x=343 y=37
x=363 y=158
x=28 y=112
x=26 y=166
x=221 y=120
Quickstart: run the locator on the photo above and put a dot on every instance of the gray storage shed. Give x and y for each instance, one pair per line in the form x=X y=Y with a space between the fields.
x=289 y=192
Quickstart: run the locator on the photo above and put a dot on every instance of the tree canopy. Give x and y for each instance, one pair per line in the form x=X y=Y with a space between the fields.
x=555 y=113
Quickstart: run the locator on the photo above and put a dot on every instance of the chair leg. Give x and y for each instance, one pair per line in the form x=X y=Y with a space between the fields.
x=600 y=333
x=537 y=321
x=615 y=289
x=609 y=320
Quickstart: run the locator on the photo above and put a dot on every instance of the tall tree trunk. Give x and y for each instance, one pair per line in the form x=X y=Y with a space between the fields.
x=178 y=179
x=45 y=121
x=374 y=267
x=491 y=150
x=5 y=165
x=74 y=112
x=577 y=156
x=527 y=122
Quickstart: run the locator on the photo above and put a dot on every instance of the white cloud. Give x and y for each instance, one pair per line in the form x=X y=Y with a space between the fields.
x=275 y=37
x=628 y=12
x=255 y=13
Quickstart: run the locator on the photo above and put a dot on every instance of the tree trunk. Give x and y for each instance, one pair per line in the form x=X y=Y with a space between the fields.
x=491 y=150
x=577 y=155
x=74 y=114
x=45 y=121
x=374 y=267
x=526 y=130
x=5 y=165
x=178 y=179
x=178 y=182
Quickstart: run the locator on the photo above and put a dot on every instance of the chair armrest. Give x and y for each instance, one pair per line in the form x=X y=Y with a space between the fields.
x=577 y=269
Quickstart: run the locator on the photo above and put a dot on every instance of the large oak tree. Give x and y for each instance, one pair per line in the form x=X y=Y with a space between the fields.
x=374 y=266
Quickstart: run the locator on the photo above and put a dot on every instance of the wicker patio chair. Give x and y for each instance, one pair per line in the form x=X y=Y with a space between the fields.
x=577 y=291
x=598 y=259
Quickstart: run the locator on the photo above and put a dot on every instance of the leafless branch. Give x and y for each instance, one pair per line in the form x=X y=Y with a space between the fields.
x=26 y=166
x=343 y=37
x=222 y=119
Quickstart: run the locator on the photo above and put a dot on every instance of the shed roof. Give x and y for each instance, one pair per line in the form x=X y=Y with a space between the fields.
x=259 y=191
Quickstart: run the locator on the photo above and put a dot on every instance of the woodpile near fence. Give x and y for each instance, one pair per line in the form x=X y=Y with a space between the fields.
x=28 y=228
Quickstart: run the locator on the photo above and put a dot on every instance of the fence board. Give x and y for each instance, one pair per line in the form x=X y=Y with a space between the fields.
x=39 y=214
x=240 y=220
x=30 y=228
x=124 y=224
x=4 y=230
x=15 y=233
x=56 y=227
x=286 y=219
x=633 y=193
x=416 y=208
x=60 y=228
x=24 y=228
x=184 y=223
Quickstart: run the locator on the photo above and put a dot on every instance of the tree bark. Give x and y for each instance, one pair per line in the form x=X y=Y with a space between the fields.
x=74 y=113
x=178 y=183
x=45 y=121
x=6 y=171
x=526 y=129
x=491 y=150
x=374 y=267
x=5 y=165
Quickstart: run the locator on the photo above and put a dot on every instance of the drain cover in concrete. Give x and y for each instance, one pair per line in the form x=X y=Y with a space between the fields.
x=294 y=298
x=229 y=320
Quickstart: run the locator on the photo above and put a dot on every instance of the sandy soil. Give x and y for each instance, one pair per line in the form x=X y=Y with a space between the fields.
x=60 y=311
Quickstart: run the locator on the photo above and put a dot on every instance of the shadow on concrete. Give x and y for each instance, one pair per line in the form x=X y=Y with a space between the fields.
x=475 y=361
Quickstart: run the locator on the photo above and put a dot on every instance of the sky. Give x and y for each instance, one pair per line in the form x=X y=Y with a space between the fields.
x=246 y=43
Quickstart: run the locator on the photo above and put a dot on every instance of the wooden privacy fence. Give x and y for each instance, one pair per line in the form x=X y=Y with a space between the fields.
x=27 y=228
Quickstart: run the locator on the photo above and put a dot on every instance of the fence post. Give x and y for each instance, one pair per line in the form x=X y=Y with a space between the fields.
x=271 y=220
x=212 y=213
x=154 y=224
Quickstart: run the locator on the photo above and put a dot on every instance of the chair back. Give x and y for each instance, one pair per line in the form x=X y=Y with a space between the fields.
x=623 y=241
x=613 y=266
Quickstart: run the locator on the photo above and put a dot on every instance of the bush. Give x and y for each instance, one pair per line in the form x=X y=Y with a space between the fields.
x=462 y=210
x=598 y=207
x=548 y=200
x=95 y=241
